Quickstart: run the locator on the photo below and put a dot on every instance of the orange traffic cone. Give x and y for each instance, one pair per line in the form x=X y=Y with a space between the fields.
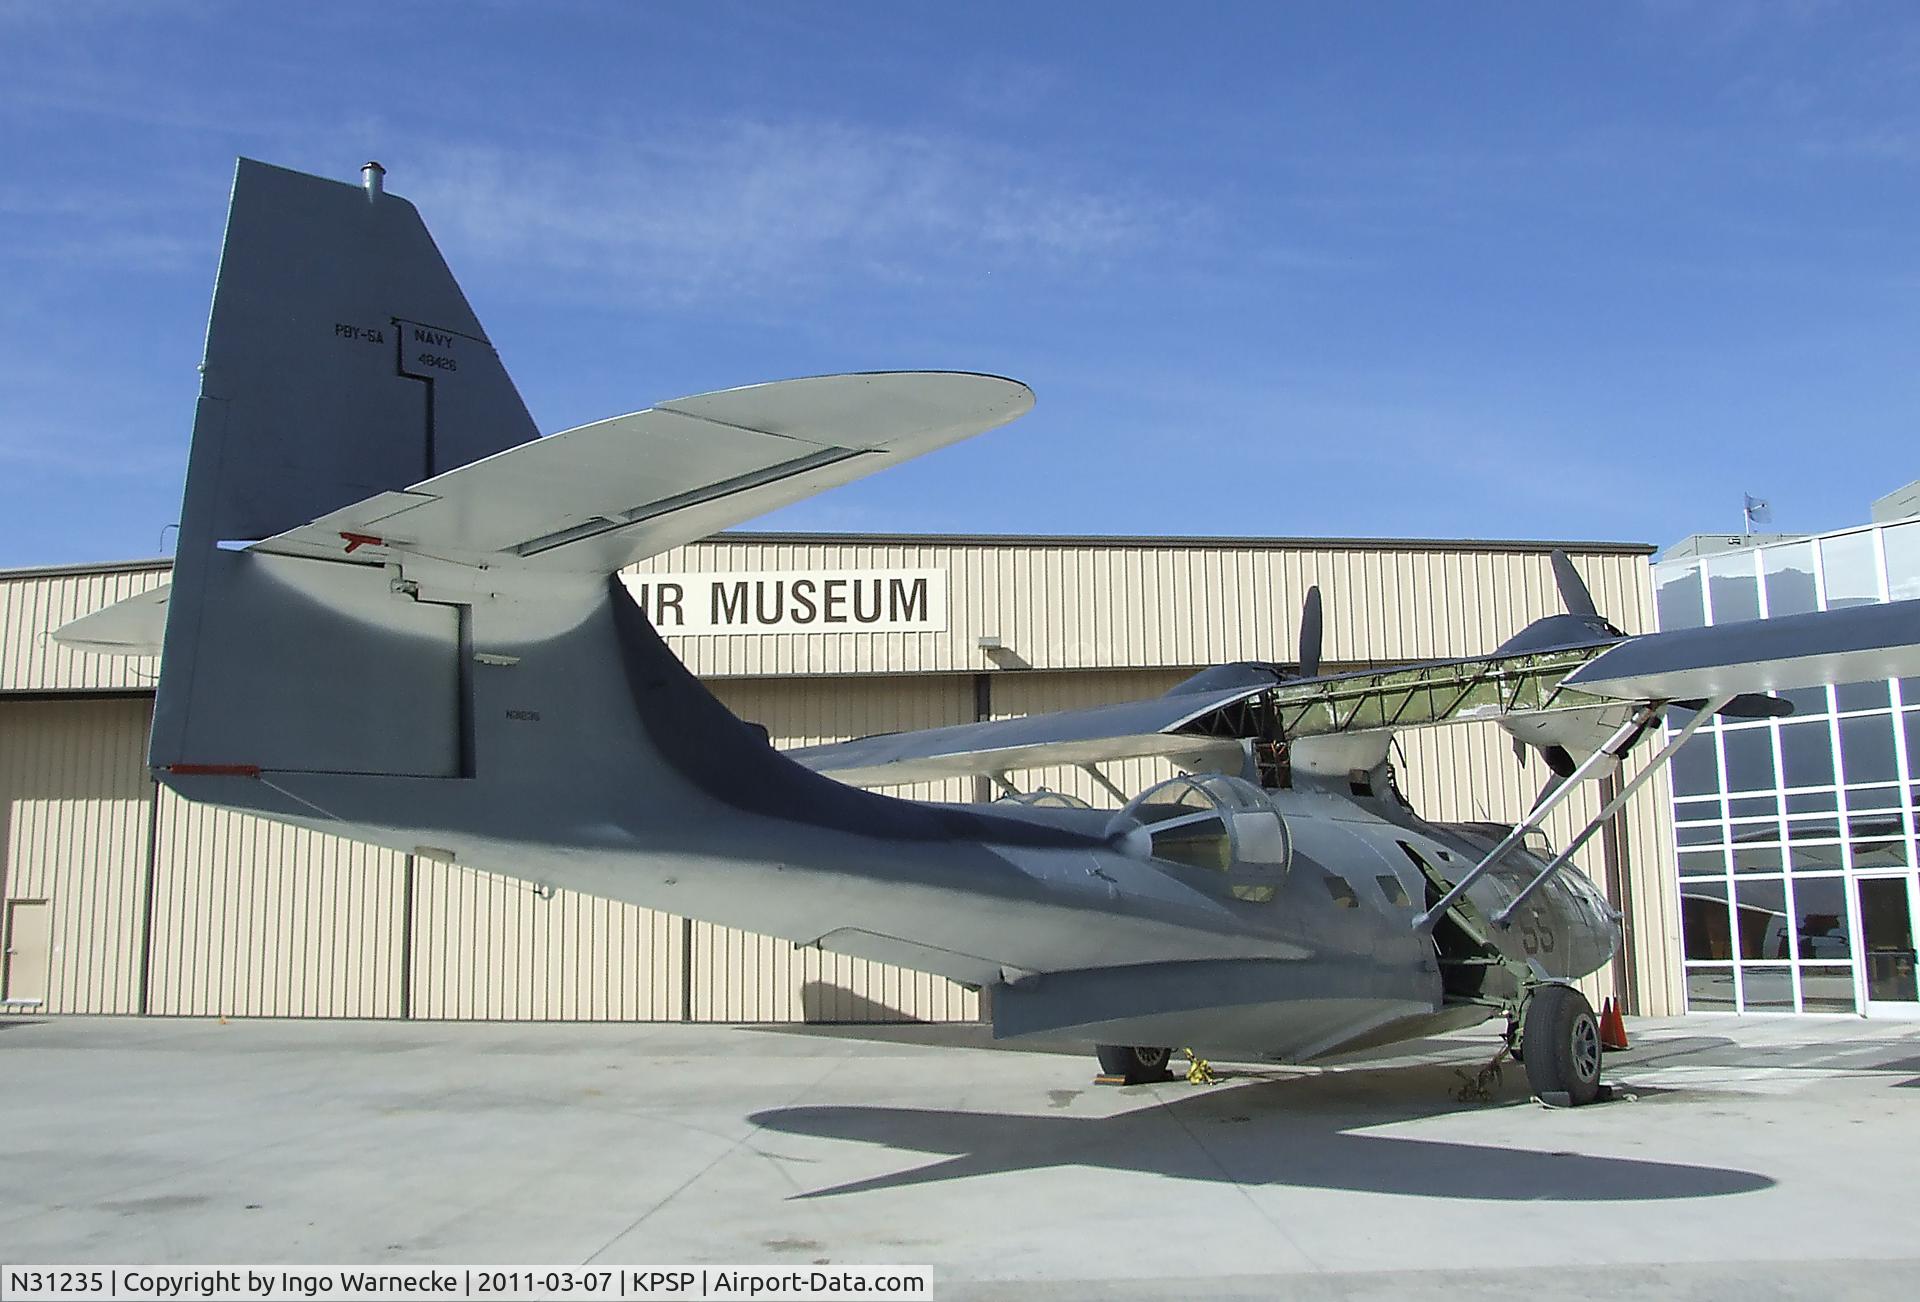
x=1613 y=1027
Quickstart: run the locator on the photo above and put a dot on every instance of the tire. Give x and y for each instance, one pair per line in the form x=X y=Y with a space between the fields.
x=1562 y=1041
x=1135 y=1064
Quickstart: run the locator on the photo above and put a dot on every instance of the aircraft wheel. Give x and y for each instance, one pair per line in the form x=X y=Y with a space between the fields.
x=1134 y=1063
x=1562 y=1041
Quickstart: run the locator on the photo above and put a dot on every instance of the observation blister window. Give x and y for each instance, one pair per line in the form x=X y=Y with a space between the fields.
x=1214 y=822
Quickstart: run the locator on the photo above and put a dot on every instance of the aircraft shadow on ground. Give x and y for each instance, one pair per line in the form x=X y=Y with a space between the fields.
x=1302 y=1132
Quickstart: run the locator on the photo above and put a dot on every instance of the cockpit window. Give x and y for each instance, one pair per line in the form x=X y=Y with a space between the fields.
x=1342 y=892
x=1201 y=840
x=1263 y=837
x=1391 y=888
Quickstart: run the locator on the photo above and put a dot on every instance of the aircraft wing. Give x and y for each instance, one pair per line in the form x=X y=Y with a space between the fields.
x=611 y=493
x=1203 y=729
x=1763 y=655
x=1198 y=726
x=1346 y=721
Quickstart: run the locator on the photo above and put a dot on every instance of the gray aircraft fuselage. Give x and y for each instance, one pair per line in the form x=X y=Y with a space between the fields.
x=599 y=764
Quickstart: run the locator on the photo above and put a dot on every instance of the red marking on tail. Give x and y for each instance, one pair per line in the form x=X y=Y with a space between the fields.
x=215 y=770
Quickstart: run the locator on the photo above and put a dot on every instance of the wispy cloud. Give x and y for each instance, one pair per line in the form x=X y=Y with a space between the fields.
x=722 y=206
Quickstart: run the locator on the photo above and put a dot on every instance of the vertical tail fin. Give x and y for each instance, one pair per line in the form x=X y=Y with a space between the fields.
x=342 y=361
x=345 y=356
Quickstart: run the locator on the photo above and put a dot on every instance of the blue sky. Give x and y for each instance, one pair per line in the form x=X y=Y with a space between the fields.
x=1435 y=270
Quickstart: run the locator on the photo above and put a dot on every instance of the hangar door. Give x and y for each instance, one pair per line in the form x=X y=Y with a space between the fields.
x=29 y=952
x=76 y=806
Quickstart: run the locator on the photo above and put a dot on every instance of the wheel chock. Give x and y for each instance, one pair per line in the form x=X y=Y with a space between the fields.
x=1607 y=1094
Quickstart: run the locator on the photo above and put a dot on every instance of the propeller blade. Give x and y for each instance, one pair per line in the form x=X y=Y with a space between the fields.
x=1310 y=634
x=1573 y=589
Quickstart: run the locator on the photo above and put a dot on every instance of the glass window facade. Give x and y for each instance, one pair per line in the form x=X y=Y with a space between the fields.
x=1780 y=824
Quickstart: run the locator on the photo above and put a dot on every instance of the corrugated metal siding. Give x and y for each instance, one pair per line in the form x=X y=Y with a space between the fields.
x=259 y=919
x=1150 y=605
x=1653 y=920
x=489 y=947
x=33 y=605
x=75 y=807
x=1155 y=604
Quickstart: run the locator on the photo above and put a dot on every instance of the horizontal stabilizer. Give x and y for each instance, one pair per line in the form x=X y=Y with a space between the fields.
x=135 y=626
x=1763 y=655
x=611 y=493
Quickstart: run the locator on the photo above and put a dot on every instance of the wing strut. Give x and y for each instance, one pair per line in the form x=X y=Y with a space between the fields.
x=1613 y=806
x=1643 y=716
x=1093 y=771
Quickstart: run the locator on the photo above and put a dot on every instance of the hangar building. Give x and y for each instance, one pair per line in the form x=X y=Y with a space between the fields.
x=121 y=898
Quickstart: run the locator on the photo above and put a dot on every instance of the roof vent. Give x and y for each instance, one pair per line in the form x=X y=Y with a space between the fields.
x=370 y=177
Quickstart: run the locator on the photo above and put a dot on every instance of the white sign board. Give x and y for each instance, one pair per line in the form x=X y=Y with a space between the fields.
x=794 y=601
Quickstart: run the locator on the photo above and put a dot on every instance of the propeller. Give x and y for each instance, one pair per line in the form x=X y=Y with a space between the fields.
x=1310 y=634
x=1573 y=589
x=1579 y=623
x=1261 y=673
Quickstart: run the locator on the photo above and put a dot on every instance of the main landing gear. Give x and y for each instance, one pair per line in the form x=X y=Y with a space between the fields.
x=1558 y=1042
x=1561 y=1040
x=1134 y=1064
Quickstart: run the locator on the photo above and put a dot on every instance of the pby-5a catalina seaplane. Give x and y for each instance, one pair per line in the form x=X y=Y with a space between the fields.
x=396 y=615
